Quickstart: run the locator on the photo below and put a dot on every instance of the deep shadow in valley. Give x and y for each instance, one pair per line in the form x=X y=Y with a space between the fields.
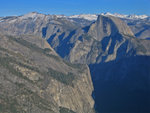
x=122 y=86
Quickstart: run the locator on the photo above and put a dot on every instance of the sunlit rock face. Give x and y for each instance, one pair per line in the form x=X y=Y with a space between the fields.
x=34 y=79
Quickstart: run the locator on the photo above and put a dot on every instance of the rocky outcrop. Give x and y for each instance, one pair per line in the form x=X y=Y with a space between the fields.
x=107 y=39
x=106 y=26
x=33 y=78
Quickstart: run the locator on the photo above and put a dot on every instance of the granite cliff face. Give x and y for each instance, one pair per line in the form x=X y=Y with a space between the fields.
x=106 y=26
x=34 y=79
x=105 y=40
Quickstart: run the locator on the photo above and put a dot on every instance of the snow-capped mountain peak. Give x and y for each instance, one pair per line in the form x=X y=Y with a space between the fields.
x=90 y=17
x=93 y=17
x=32 y=15
x=125 y=16
x=137 y=16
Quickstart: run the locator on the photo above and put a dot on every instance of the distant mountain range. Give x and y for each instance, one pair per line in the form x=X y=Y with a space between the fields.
x=93 y=17
x=139 y=24
x=115 y=48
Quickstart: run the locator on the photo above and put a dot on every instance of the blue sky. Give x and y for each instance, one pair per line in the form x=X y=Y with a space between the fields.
x=71 y=7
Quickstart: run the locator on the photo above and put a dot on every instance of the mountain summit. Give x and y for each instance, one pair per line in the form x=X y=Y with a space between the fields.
x=108 y=26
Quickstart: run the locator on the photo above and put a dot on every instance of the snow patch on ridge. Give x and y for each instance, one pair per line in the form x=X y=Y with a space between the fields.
x=90 y=17
x=33 y=15
x=126 y=16
x=93 y=17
